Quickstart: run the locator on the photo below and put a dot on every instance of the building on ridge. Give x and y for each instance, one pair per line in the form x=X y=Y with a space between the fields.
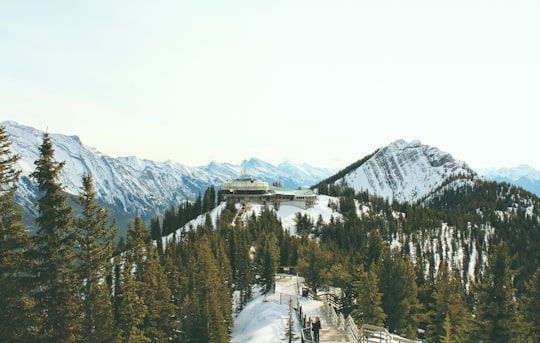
x=246 y=189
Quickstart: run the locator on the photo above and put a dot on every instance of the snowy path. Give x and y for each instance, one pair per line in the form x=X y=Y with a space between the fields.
x=289 y=284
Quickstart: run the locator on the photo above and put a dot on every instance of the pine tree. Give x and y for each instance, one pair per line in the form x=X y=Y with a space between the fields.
x=53 y=247
x=157 y=295
x=16 y=307
x=446 y=337
x=495 y=299
x=369 y=300
x=96 y=247
x=157 y=235
x=400 y=293
x=243 y=267
x=313 y=263
x=268 y=262
x=290 y=334
x=530 y=303
x=151 y=284
x=209 y=313
x=449 y=309
x=131 y=308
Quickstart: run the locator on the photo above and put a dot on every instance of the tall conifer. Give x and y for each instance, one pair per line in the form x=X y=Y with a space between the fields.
x=530 y=304
x=368 y=309
x=15 y=313
x=96 y=246
x=449 y=310
x=151 y=284
x=397 y=283
x=495 y=299
x=53 y=252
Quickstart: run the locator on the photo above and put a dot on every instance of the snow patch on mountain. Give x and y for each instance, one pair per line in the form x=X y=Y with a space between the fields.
x=404 y=171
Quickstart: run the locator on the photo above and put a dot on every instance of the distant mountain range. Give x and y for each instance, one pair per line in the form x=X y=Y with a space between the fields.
x=401 y=171
x=131 y=186
x=523 y=176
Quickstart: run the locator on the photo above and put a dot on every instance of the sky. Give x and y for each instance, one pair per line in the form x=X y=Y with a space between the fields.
x=320 y=82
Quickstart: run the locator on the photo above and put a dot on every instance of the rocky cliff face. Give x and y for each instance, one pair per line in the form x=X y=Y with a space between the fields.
x=405 y=171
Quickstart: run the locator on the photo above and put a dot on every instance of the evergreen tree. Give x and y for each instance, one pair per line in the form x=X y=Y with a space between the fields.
x=96 y=247
x=313 y=263
x=157 y=235
x=400 y=295
x=369 y=300
x=130 y=305
x=157 y=295
x=449 y=315
x=290 y=334
x=53 y=252
x=151 y=284
x=268 y=261
x=243 y=272
x=495 y=299
x=530 y=314
x=16 y=307
x=209 y=313
x=447 y=336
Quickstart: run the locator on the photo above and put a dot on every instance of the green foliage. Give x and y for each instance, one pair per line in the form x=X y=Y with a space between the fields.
x=397 y=283
x=313 y=263
x=368 y=309
x=449 y=317
x=495 y=299
x=95 y=248
x=267 y=262
x=53 y=252
x=530 y=305
x=16 y=313
x=290 y=334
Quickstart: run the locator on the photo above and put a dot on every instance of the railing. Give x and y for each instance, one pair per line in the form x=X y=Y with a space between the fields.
x=367 y=333
x=305 y=322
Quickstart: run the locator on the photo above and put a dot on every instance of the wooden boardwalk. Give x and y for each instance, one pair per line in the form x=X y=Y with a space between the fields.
x=335 y=328
x=289 y=285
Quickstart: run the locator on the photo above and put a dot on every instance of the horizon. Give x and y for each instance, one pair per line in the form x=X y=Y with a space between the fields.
x=249 y=158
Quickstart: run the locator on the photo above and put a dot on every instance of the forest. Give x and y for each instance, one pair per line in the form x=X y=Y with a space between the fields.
x=462 y=265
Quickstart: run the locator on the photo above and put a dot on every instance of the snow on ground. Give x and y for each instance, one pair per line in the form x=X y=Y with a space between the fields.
x=287 y=213
x=264 y=320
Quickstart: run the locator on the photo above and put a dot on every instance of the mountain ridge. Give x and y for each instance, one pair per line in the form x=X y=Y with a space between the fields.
x=138 y=186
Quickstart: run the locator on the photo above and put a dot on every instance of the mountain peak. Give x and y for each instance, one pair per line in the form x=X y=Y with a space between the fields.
x=404 y=171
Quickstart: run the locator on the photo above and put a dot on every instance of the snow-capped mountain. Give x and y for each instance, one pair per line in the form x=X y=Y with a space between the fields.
x=523 y=175
x=403 y=171
x=137 y=186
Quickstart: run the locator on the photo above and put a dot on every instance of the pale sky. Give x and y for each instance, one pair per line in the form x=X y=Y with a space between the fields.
x=322 y=82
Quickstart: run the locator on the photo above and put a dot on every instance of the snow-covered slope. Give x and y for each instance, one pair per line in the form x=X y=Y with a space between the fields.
x=404 y=171
x=524 y=176
x=138 y=186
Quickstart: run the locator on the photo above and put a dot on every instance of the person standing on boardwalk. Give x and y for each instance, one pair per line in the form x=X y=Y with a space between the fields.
x=316 y=327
